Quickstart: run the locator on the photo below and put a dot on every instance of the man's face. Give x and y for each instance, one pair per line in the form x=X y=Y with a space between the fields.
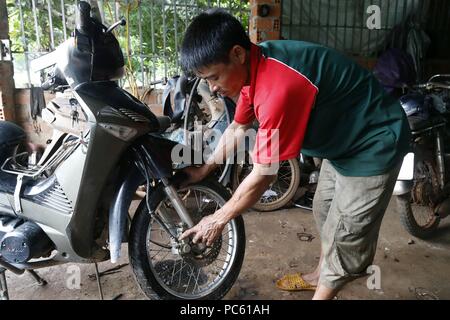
x=227 y=79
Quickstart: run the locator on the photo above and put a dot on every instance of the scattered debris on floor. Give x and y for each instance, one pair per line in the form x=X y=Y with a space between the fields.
x=423 y=294
x=282 y=224
x=303 y=236
x=118 y=296
x=267 y=261
x=293 y=263
x=113 y=270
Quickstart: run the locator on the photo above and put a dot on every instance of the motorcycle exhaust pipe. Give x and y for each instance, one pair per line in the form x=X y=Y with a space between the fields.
x=25 y=242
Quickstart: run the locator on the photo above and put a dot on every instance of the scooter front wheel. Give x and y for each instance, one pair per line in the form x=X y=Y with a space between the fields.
x=163 y=270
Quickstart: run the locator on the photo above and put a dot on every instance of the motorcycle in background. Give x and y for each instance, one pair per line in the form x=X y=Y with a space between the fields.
x=423 y=187
x=280 y=192
x=202 y=112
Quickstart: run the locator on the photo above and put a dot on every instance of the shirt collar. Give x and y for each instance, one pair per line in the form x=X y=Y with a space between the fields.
x=255 y=57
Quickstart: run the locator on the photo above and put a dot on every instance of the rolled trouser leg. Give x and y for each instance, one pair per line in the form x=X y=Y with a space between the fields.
x=324 y=194
x=350 y=232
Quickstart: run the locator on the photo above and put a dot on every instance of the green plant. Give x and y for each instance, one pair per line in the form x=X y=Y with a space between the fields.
x=162 y=25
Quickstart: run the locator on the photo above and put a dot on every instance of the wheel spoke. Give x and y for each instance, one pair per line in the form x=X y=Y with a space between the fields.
x=178 y=275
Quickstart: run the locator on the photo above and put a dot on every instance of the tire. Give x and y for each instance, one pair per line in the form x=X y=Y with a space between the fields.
x=409 y=221
x=153 y=277
x=271 y=203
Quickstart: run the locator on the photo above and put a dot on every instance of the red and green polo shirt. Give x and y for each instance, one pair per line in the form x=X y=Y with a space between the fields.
x=315 y=100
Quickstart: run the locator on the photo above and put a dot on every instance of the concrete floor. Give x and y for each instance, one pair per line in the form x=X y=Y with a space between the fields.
x=409 y=270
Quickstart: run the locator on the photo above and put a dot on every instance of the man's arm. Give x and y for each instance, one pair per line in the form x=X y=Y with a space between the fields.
x=246 y=195
x=229 y=141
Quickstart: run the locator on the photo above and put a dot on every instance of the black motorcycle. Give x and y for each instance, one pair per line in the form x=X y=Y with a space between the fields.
x=423 y=186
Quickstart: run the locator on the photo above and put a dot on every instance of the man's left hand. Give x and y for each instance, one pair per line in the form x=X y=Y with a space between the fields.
x=206 y=231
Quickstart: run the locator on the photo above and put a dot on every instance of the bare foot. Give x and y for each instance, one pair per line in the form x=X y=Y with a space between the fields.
x=311 y=278
x=324 y=293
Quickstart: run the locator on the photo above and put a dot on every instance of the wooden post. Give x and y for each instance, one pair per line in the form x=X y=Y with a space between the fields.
x=6 y=70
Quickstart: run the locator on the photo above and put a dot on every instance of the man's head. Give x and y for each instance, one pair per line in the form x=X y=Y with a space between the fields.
x=216 y=48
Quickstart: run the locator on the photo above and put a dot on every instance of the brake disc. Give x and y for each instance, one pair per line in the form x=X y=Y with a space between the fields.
x=203 y=258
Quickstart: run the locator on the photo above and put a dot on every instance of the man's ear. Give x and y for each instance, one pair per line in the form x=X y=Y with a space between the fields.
x=238 y=54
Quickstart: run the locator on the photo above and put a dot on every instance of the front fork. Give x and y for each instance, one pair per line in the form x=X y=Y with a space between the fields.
x=440 y=158
x=178 y=246
x=404 y=186
x=177 y=203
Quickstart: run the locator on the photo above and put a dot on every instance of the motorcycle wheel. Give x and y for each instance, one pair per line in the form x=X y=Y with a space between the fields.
x=417 y=207
x=419 y=221
x=280 y=192
x=164 y=274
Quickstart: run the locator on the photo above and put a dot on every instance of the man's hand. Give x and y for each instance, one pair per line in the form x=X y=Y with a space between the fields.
x=206 y=231
x=227 y=143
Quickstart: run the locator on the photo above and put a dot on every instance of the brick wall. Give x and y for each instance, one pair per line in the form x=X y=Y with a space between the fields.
x=38 y=132
x=153 y=99
x=265 y=20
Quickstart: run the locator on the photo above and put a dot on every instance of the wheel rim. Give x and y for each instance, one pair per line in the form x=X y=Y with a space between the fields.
x=423 y=216
x=222 y=171
x=278 y=190
x=178 y=274
x=422 y=202
x=426 y=186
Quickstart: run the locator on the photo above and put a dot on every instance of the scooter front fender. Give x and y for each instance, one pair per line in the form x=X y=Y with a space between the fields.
x=159 y=165
x=118 y=211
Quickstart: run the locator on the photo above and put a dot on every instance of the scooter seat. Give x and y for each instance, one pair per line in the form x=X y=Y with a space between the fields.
x=10 y=137
x=110 y=93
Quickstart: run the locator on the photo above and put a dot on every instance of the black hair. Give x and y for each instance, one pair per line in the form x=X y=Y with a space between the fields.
x=209 y=39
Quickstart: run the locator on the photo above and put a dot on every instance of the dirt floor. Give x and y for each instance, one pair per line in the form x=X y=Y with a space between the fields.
x=410 y=268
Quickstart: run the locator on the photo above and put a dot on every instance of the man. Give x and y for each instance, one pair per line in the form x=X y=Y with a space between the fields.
x=310 y=98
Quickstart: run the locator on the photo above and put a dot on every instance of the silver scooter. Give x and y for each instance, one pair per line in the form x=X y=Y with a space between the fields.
x=74 y=204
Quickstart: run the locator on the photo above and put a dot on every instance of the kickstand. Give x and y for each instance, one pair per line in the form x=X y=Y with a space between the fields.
x=100 y=291
x=41 y=282
x=3 y=286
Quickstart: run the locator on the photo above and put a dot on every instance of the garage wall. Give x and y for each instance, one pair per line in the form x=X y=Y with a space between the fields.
x=344 y=25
